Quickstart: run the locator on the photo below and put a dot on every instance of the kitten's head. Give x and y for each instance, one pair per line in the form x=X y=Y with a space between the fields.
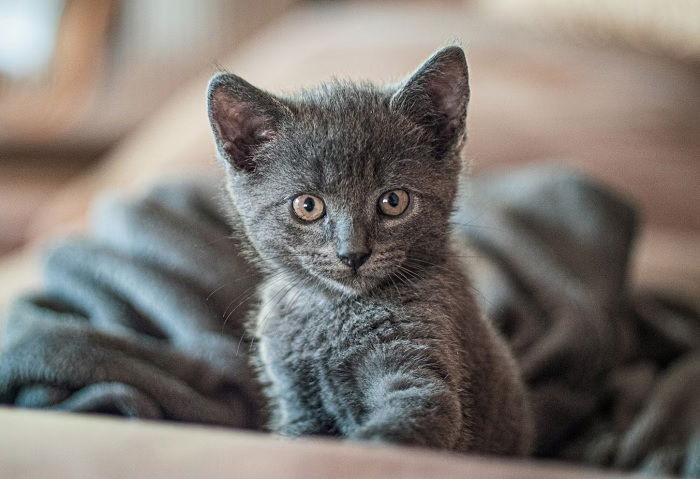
x=349 y=186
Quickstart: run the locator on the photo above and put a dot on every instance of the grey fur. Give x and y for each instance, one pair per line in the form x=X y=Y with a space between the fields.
x=396 y=351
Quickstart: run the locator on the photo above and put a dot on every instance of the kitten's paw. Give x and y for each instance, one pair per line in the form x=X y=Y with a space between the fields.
x=384 y=434
x=407 y=432
x=301 y=427
x=296 y=430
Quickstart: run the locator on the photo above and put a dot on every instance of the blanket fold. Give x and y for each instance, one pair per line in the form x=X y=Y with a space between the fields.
x=144 y=318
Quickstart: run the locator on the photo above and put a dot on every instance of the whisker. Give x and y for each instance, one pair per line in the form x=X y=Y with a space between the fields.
x=245 y=296
x=404 y=278
x=279 y=277
x=430 y=264
x=279 y=299
x=213 y=291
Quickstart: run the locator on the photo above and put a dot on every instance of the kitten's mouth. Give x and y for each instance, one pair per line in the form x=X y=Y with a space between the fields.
x=351 y=282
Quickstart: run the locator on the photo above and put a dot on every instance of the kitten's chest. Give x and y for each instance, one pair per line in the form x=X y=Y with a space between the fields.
x=302 y=326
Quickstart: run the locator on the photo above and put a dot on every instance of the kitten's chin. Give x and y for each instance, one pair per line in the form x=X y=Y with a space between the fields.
x=347 y=288
x=350 y=285
x=343 y=281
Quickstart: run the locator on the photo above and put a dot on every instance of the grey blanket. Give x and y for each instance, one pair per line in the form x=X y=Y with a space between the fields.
x=143 y=318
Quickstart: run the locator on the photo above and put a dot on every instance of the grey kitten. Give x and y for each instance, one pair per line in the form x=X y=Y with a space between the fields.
x=367 y=328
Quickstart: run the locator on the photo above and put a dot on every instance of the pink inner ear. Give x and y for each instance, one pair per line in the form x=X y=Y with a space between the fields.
x=238 y=121
x=448 y=93
x=227 y=146
x=265 y=135
x=239 y=128
x=229 y=118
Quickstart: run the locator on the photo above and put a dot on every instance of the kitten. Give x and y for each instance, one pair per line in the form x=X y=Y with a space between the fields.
x=367 y=328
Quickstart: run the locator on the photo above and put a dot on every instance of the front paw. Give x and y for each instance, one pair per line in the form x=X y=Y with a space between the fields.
x=298 y=428
x=386 y=433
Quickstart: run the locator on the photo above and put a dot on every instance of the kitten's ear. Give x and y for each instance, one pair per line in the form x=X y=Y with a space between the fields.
x=436 y=97
x=242 y=118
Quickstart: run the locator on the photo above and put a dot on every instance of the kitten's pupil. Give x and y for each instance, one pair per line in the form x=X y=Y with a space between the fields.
x=393 y=199
x=393 y=203
x=309 y=204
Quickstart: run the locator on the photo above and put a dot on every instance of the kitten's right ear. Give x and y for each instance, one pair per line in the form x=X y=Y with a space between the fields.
x=436 y=97
x=242 y=118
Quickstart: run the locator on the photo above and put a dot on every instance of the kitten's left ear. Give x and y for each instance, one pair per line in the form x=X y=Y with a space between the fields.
x=242 y=118
x=436 y=97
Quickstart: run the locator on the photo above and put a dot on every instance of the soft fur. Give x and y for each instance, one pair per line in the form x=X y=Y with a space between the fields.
x=396 y=350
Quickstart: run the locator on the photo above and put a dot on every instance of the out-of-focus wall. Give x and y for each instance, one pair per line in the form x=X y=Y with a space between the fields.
x=77 y=75
x=669 y=27
x=113 y=62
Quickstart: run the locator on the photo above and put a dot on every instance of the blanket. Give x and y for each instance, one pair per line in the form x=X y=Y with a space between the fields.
x=143 y=318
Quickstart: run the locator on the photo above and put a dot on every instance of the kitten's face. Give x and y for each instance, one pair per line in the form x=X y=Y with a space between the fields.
x=347 y=186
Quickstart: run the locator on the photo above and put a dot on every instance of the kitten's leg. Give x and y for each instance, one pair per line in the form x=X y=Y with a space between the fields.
x=294 y=412
x=295 y=419
x=409 y=398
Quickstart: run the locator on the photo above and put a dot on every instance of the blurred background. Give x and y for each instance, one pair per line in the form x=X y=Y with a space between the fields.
x=109 y=95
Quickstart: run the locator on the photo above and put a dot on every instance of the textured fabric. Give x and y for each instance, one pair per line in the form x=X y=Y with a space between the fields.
x=614 y=375
x=130 y=321
x=143 y=318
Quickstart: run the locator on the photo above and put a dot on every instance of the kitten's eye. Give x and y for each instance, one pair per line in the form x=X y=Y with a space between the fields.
x=308 y=207
x=394 y=202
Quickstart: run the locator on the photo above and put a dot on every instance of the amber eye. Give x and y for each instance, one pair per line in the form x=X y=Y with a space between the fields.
x=308 y=207
x=394 y=202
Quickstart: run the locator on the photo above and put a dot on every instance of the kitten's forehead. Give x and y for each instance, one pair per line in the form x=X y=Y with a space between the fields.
x=347 y=138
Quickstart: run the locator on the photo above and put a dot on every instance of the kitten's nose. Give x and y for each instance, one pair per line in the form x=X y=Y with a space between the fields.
x=354 y=259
